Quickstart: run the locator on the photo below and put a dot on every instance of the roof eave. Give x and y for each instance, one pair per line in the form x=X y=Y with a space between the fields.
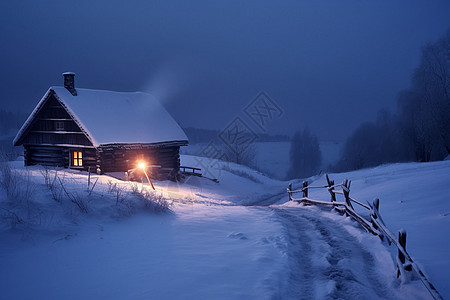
x=77 y=121
x=17 y=140
x=145 y=145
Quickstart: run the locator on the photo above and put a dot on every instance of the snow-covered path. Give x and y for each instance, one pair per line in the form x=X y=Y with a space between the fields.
x=237 y=239
x=326 y=261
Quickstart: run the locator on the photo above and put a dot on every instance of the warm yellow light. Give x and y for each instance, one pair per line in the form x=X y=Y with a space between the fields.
x=141 y=165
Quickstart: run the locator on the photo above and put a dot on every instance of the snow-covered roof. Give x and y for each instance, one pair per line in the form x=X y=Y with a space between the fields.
x=108 y=117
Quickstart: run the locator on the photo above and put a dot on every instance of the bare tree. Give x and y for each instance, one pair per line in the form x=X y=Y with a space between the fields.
x=425 y=108
x=432 y=84
x=305 y=154
x=240 y=154
x=420 y=130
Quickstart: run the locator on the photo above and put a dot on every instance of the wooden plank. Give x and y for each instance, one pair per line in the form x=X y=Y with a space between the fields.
x=359 y=203
x=56 y=132
x=198 y=169
x=312 y=201
x=364 y=223
x=46 y=161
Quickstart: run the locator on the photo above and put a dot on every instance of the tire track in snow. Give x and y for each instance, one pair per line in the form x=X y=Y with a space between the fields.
x=267 y=200
x=300 y=281
x=325 y=261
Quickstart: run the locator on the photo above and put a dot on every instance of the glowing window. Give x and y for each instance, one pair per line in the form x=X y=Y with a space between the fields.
x=77 y=159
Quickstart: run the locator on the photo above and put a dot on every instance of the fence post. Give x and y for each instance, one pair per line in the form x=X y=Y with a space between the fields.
x=374 y=217
x=330 y=189
x=346 y=191
x=305 y=189
x=401 y=257
x=376 y=204
x=89 y=178
x=289 y=191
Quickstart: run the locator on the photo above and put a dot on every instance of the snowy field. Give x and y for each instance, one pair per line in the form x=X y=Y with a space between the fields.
x=273 y=158
x=236 y=239
x=413 y=197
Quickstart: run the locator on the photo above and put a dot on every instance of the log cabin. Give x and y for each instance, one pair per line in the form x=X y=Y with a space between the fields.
x=101 y=130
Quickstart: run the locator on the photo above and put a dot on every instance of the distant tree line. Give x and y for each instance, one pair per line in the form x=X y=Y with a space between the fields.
x=305 y=155
x=419 y=130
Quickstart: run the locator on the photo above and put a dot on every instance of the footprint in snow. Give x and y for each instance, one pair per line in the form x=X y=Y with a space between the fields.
x=67 y=237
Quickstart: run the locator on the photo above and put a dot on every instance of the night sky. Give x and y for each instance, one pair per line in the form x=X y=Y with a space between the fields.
x=330 y=65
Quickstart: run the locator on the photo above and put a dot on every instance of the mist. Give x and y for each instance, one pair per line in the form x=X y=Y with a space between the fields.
x=330 y=66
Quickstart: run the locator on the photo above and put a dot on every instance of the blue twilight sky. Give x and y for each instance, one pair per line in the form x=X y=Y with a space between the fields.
x=330 y=65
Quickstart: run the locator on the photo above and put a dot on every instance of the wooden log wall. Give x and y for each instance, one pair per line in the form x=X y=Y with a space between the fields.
x=89 y=158
x=49 y=138
x=58 y=156
x=108 y=159
x=114 y=159
x=47 y=156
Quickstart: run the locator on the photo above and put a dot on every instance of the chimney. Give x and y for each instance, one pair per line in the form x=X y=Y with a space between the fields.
x=69 y=82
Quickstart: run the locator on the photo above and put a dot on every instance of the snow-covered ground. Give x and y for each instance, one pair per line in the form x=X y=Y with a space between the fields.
x=414 y=197
x=273 y=158
x=238 y=238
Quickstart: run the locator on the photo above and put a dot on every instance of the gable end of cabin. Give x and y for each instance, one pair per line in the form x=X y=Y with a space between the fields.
x=53 y=138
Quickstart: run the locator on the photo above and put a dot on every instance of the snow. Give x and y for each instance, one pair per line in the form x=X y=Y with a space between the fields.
x=413 y=197
x=158 y=258
x=113 y=117
x=273 y=158
x=238 y=238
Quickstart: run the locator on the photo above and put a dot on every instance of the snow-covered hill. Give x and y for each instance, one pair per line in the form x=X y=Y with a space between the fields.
x=273 y=158
x=414 y=197
x=215 y=243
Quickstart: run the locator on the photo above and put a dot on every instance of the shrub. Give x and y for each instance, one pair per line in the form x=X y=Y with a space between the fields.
x=150 y=199
x=17 y=184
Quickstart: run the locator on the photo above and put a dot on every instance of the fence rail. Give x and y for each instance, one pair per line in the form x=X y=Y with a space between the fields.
x=191 y=170
x=376 y=225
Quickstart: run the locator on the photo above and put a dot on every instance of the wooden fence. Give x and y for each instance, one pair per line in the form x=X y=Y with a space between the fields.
x=376 y=226
x=191 y=170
